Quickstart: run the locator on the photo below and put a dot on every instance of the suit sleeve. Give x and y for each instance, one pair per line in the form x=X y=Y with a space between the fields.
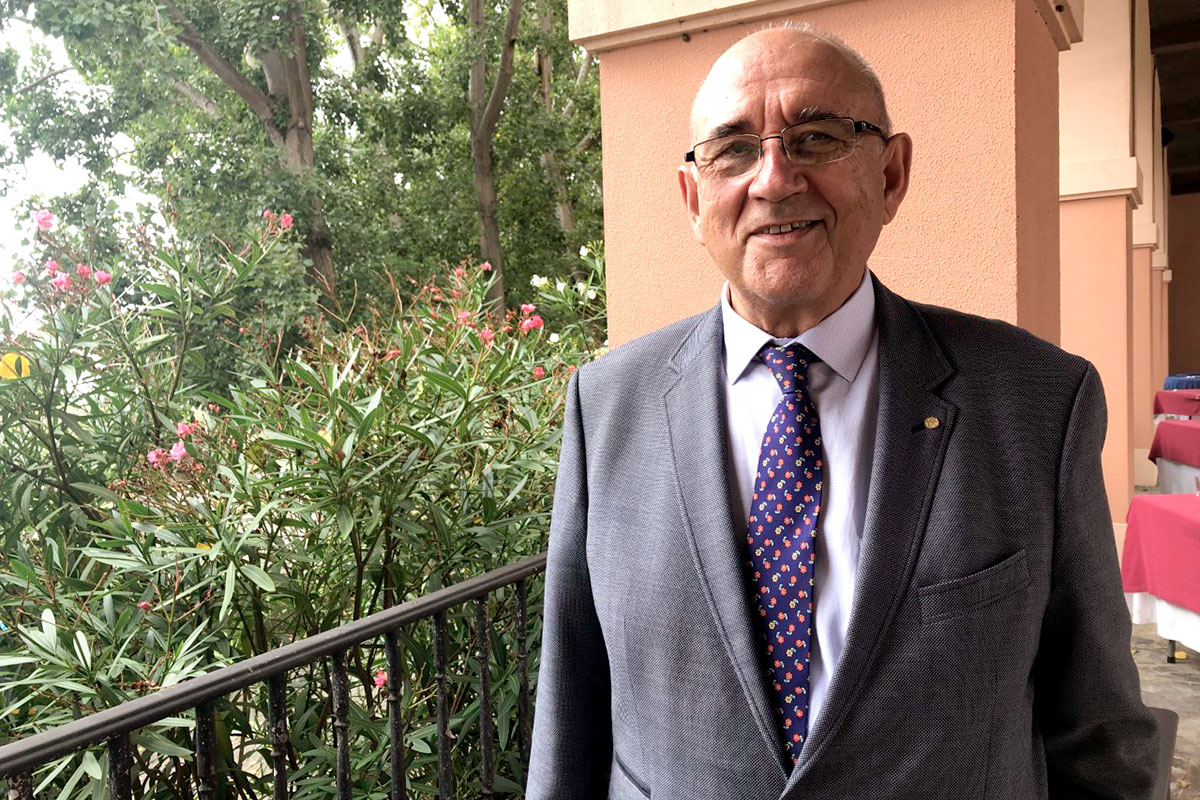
x=572 y=731
x=1099 y=739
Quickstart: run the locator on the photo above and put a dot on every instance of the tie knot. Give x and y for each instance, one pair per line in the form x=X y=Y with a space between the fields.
x=789 y=365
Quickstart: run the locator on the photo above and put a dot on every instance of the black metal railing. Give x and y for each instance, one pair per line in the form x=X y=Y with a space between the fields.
x=113 y=726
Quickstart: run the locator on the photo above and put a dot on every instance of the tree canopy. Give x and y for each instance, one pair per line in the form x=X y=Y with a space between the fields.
x=354 y=115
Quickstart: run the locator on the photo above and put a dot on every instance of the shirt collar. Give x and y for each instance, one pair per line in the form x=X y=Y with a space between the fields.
x=840 y=340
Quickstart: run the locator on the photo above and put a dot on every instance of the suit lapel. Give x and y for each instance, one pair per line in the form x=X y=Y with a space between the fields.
x=907 y=463
x=695 y=418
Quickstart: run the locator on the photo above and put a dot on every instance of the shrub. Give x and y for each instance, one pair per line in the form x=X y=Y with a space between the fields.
x=186 y=481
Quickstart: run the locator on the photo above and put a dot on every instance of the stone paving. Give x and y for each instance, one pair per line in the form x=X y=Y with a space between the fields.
x=1177 y=687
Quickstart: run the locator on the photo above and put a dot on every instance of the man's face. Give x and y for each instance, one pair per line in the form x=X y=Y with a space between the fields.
x=786 y=282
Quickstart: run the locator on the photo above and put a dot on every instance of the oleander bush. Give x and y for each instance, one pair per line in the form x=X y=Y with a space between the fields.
x=191 y=473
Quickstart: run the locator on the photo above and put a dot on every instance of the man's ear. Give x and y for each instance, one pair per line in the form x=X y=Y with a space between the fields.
x=690 y=193
x=897 y=160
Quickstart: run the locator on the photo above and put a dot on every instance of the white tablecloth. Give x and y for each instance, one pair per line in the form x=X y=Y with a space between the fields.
x=1173 y=622
x=1176 y=478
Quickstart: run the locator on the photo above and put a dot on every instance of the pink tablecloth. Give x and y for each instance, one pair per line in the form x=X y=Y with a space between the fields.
x=1184 y=402
x=1162 y=548
x=1177 y=440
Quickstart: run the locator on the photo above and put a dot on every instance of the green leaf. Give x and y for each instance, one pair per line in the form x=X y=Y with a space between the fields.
x=261 y=578
x=230 y=585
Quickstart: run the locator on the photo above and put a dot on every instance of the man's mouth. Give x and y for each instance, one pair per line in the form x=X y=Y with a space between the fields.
x=787 y=227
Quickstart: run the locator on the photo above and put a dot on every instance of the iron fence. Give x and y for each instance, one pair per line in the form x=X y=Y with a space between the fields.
x=113 y=726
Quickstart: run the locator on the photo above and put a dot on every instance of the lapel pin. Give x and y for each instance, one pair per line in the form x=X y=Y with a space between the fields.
x=931 y=423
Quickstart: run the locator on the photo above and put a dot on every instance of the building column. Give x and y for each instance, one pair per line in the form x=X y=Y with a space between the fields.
x=972 y=81
x=1097 y=321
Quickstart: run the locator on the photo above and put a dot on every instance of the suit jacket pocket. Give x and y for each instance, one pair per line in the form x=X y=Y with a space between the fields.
x=622 y=785
x=961 y=595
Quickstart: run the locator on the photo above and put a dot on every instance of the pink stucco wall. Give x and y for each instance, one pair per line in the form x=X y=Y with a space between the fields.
x=1097 y=309
x=1184 y=292
x=973 y=82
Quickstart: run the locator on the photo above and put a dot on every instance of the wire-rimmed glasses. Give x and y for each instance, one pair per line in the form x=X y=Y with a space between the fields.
x=818 y=141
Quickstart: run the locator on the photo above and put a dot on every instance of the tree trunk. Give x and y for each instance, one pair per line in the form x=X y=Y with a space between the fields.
x=483 y=112
x=564 y=212
x=290 y=85
x=485 y=214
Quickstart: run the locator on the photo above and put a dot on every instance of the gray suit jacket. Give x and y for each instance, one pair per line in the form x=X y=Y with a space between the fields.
x=988 y=649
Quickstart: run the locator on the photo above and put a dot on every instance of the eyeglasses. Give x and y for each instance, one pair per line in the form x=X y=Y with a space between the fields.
x=818 y=142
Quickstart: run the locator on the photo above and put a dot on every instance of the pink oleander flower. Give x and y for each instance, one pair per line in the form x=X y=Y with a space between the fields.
x=178 y=451
x=528 y=308
x=571 y=369
x=103 y=278
x=531 y=323
x=44 y=218
x=18 y=277
x=464 y=317
x=184 y=429
x=84 y=271
x=285 y=221
x=539 y=373
x=62 y=281
x=486 y=266
x=267 y=213
x=380 y=679
x=156 y=457
x=143 y=605
x=459 y=272
x=487 y=334
x=51 y=266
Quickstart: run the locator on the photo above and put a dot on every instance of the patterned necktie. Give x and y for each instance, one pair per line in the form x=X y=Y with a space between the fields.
x=780 y=552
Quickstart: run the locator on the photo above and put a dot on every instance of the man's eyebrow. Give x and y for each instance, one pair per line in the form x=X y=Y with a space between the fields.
x=813 y=113
x=728 y=129
x=806 y=114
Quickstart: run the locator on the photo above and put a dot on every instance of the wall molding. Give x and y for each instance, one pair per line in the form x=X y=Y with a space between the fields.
x=1111 y=177
x=1145 y=234
x=600 y=26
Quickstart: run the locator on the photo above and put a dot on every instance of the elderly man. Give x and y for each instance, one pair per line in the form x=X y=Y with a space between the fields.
x=822 y=542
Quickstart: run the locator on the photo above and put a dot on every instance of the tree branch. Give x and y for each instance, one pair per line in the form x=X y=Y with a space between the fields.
x=196 y=96
x=258 y=102
x=504 y=74
x=36 y=83
x=580 y=77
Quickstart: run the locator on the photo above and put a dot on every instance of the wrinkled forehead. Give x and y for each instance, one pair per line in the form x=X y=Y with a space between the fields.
x=785 y=76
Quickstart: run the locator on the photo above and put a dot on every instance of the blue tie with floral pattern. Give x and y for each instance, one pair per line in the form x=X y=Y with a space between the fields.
x=780 y=552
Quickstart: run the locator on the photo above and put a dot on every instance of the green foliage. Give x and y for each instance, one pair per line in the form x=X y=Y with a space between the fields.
x=392 y=167
x=162 y=517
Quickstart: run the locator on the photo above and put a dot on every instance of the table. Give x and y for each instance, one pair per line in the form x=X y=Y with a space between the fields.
x=1178 y=402
x=1161 y=562
x=1176 y=450
x=1182 y=380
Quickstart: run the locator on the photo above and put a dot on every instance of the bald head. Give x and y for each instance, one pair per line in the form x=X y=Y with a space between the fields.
x=774 y=51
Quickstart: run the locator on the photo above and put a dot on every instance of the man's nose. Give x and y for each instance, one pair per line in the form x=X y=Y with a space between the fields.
x=777 y=176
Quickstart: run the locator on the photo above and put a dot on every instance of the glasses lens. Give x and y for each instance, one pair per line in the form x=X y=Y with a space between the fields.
x=727 y=156
x=820 y=141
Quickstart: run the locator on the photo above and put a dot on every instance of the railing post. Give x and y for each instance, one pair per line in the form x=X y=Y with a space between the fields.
x=395 y=686
x=341 y=724
x=524 y=729
x=445 y=770
x=206 y=751
x=484 y=647
x=119 y=762
x=278 y=733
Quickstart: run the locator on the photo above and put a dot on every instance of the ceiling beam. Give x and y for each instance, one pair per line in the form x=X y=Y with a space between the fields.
x=1177 y=38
